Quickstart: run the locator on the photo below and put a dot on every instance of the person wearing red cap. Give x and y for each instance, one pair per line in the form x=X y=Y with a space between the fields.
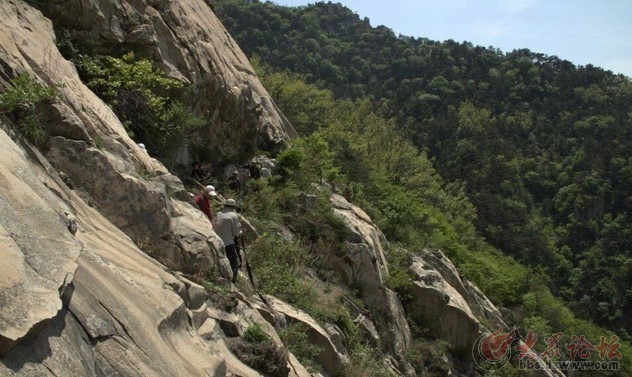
x=203 y=201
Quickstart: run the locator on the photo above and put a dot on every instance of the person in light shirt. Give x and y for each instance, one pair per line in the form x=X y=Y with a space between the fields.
x=228 y=228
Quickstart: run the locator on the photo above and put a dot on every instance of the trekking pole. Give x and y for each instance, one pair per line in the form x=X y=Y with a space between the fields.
x=249 y=270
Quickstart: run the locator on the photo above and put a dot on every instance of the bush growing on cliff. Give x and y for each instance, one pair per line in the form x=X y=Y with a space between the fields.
x=255 y=334
x=18 y=101
x=295 y=337
x=144 y=98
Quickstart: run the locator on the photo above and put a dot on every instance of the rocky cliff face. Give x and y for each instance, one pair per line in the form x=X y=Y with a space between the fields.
x=100 y=244
x=189 y=43
x=80 y=297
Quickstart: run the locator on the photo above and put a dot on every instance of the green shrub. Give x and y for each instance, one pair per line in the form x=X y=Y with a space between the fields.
x=429 y=357
x=255 y=334
x=265 y=356
x=19 y=100
x=144 y=98
x=277 y=267
x=398 y=278
x=289 y=162
x=349 y=328
x=499 y=276
x=551 y=316
x=261 y=201
x=296 y=339
x=366 y=362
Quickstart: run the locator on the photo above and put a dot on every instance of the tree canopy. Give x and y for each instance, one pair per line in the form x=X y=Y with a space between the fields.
x=536 y=148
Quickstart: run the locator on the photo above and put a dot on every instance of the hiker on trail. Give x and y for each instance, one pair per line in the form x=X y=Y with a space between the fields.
x=201 y=173
x=228 y=228
x=196 y=171
x=234 y=182
x=203 y=201
x=254 y=168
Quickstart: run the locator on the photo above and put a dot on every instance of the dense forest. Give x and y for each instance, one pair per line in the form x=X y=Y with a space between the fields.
x=540 y=147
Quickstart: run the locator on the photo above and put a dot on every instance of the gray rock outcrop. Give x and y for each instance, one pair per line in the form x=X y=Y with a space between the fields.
x=79 y=297
x=439 y=298
x=37 y=252
x=187 y=40
x=441 y=307
x=91 y=303
x=365 y=266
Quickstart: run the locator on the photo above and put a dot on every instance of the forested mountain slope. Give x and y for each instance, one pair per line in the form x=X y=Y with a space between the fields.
x=541 y=145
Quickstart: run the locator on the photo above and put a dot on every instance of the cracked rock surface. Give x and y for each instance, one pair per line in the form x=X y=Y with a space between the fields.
x=37 y=252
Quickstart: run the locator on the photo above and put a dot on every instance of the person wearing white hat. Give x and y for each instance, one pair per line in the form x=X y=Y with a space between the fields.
x=203 y=201
x=142 y=147
x=228 y=228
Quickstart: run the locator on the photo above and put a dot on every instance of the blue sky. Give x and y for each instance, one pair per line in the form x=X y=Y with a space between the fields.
x=597 y=32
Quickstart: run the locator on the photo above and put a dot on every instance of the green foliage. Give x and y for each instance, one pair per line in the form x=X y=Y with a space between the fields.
x=289 y=162
x=365 y=362
x=277 y=265
x=500 y=277
x=308 y=160
x=398 y=278
x=515 y=165
x=144 y=98
x=553 y=317
x=30 y=127
x=18 y=101
x=255 y=334
x=24 y=91
x=176 y=120
x=430 y=357
x=263 y=356
x=532 y=150
x=351 y=330
x=301 y=103
x=296 y=338
x=278 y=262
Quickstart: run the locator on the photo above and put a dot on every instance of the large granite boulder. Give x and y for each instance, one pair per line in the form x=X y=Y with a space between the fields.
x=438 y=305
x=364 y=265
x=79 y=297
x=332 y=356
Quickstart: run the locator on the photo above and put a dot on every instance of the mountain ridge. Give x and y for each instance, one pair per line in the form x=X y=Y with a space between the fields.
x=141 y=283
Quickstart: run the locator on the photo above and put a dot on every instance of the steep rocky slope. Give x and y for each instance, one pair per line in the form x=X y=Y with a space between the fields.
x=80 y=298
